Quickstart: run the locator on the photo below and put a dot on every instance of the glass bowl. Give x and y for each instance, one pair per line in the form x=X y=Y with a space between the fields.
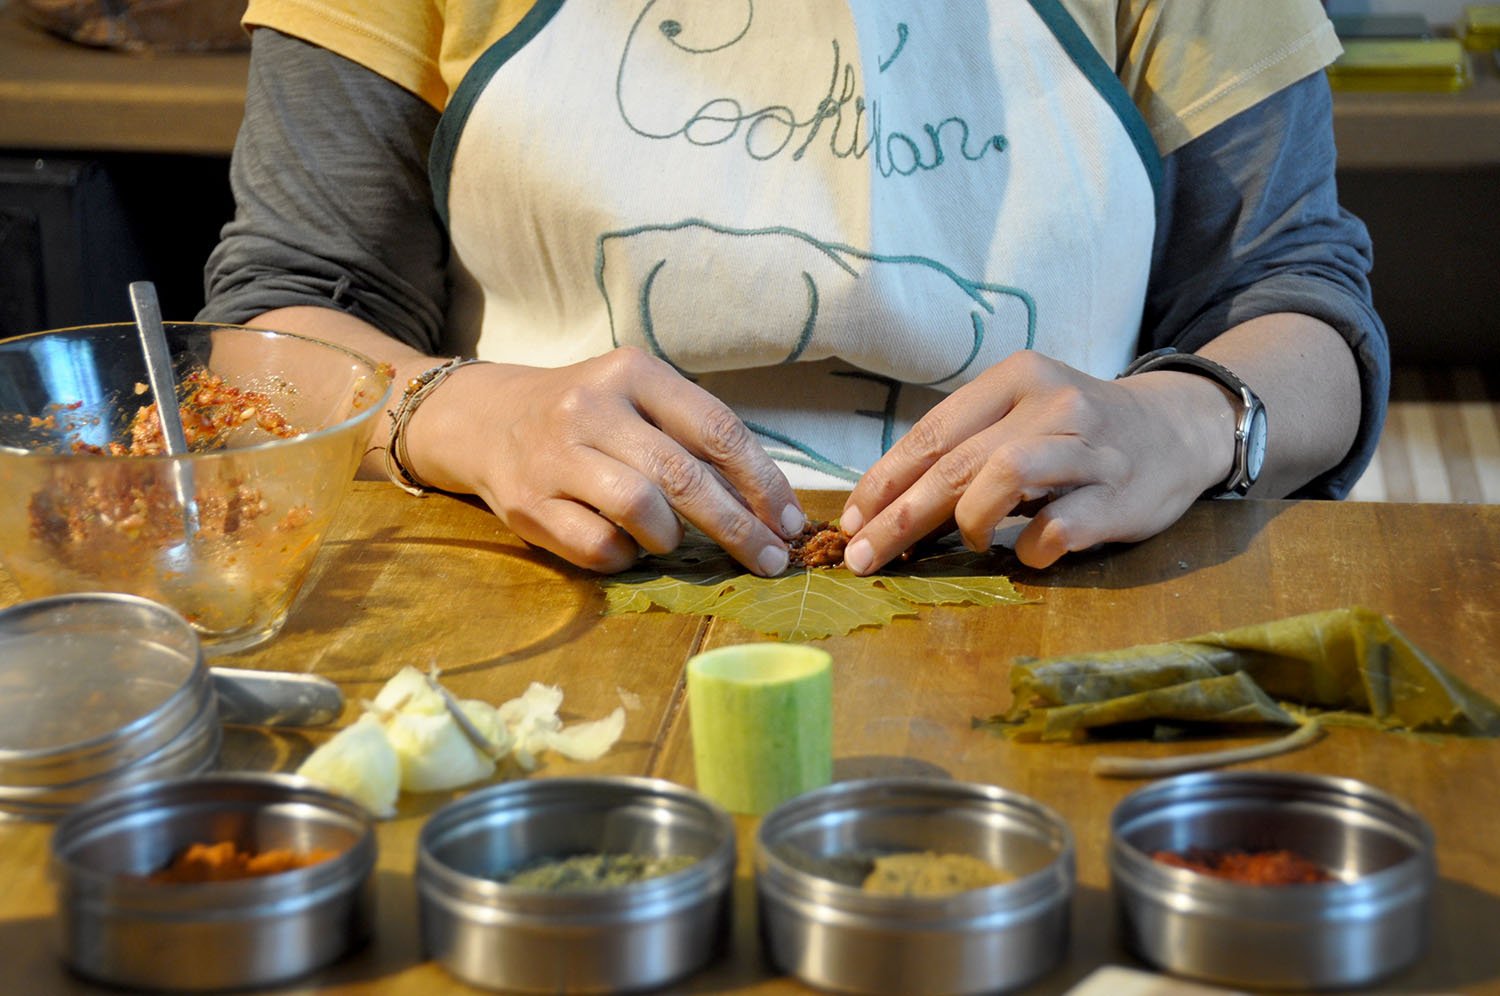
x=226 y=535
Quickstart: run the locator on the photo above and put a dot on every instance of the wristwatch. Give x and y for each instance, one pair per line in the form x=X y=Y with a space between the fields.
x=1249 y=426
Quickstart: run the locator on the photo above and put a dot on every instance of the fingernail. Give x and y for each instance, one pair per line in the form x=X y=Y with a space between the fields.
x=851 y=521
x=772 y=561
x=858 y=556
x=792 y=521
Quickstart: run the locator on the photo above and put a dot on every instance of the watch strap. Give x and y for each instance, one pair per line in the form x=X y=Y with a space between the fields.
x=1242 y=473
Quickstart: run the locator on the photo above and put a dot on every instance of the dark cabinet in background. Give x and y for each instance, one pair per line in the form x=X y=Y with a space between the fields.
x=76 y=230
x=66 y=244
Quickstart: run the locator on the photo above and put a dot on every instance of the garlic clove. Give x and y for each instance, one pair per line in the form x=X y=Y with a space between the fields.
x=358 y=762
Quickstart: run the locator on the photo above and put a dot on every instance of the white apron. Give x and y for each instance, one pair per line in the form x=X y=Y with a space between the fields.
x=827 y=213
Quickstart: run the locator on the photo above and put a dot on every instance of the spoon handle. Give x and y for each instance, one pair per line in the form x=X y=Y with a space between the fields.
x=250 y=697
x=147 y=310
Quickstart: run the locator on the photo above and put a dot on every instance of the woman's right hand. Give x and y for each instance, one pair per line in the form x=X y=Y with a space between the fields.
x=596 y=461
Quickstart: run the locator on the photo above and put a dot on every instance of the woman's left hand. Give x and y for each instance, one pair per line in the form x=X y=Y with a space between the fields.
x=1098 y=460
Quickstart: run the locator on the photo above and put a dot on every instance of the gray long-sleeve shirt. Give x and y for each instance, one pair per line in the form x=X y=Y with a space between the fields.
x=334 y=210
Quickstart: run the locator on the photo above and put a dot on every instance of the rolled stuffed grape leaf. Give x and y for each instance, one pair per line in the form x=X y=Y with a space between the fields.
x=1350 y=661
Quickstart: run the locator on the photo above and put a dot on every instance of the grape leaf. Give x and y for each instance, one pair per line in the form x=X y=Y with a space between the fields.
x=808 y=603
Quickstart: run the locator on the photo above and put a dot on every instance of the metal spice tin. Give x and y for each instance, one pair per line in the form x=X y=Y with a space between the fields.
x=1366 y=925
x=833 y=935
x=120 y=928
x=98 y=690
x=637 y=936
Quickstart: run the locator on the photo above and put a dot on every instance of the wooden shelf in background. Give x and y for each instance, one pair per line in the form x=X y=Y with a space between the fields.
x=57 y=95
x=1421 y=130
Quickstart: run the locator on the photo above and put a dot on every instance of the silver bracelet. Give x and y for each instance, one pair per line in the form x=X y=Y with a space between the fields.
x=397 y=460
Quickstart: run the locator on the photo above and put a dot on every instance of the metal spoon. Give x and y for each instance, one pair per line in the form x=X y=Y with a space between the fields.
x=275 y=698
x=147 y=308
x=249 y=697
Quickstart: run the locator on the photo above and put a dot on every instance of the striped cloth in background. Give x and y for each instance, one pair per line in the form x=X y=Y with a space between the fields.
x=1441 y=441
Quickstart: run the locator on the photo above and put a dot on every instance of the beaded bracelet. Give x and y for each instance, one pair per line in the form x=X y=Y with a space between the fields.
x=397 y=460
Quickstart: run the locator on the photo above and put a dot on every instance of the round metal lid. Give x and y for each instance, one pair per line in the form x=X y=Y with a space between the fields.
x=90 y=683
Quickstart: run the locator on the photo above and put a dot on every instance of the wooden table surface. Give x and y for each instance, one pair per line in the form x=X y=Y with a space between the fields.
x=439 y=581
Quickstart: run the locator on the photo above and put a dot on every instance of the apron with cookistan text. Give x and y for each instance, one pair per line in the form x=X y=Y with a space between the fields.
x=829 y=214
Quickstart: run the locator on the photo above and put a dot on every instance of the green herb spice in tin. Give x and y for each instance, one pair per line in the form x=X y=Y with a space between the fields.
x=592 y=872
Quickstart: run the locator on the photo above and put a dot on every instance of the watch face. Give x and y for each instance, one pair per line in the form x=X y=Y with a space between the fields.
x=1255 y=444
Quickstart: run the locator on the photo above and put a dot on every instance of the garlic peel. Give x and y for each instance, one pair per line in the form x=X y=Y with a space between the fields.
x=588 y=741
x=416 y=736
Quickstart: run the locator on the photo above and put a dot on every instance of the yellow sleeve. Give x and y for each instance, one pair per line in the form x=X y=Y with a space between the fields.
x=422 y=47
x=1190 y=65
